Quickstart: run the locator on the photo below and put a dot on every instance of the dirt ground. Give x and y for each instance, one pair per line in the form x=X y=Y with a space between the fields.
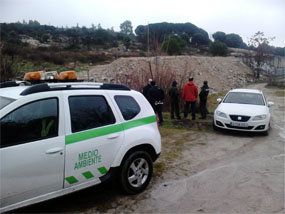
x=201 y=171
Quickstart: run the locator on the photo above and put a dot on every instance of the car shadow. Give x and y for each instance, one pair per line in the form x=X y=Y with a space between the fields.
x=99 y=197
x=239 y=133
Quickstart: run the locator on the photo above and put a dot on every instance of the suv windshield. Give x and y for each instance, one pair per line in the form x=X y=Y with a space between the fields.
x=244 y=98
x=4 y=101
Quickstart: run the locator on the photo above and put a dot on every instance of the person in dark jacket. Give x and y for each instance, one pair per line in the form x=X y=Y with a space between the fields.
x=146 y=88
x=203 y=99
x=174 y=100
x=190 y=95
x=156 y=98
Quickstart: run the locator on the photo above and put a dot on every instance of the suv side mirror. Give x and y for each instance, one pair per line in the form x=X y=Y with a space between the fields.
x=219 y=100
x=270 y=104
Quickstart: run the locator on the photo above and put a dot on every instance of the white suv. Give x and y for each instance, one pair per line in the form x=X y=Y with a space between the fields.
x=57 y=138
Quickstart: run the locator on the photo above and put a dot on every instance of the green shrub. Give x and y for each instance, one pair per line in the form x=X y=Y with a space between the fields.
x=218 y=48
x=173 y=45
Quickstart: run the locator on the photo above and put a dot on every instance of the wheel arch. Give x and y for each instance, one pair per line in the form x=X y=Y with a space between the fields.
x=142 y=147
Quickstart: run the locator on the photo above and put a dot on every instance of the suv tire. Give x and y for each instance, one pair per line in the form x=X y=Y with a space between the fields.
x=136 y=172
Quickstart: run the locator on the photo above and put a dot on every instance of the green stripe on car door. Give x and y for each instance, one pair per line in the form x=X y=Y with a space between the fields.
x=71 y=180
x=85 y=135
x=102 y=170
x=139 y=122
x=74 y=138
x=87 y=174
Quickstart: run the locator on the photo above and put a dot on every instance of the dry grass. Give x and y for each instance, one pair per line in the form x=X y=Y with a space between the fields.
x=280 y=93
x=176 y=137
x=212 y=100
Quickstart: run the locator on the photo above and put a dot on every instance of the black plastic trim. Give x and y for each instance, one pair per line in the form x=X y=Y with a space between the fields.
x=43 y=87
x=243 y=118
x=219 y=123
x=13 y=84
x=113 y=171
x=238 y=127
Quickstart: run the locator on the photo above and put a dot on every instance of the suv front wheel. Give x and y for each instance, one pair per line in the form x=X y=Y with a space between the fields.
x=136 y=172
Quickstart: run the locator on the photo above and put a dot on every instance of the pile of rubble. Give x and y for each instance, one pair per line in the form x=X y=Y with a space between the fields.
x=222 y=73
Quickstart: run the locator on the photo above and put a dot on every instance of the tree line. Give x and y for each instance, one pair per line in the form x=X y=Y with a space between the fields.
x=172 y=38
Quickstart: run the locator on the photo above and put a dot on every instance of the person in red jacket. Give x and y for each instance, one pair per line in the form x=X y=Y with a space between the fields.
x=190 y=95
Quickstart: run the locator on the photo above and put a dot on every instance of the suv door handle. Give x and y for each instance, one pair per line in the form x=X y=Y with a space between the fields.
x=113 y=136
x=54 y=150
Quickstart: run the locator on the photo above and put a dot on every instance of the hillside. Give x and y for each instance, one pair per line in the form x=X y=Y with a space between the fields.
x=30 y=46
x=222 y=73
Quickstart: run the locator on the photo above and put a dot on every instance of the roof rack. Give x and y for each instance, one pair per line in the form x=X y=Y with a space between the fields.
x=34 y=82
x=13 y=84
x=73 y=86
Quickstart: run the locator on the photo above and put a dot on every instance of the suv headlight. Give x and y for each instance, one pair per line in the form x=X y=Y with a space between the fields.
x=221 y=114
x=259 y=117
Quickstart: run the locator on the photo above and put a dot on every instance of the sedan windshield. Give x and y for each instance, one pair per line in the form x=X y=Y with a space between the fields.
x=4 y=101
x=244 y=98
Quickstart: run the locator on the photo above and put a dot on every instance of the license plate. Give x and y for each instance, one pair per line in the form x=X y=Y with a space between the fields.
x=239 y=124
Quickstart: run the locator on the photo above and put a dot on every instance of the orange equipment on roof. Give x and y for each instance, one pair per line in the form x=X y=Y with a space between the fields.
x=30 y=76
x=67 y=75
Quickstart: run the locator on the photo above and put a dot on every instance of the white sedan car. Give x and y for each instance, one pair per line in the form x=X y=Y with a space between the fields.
x=243 y=110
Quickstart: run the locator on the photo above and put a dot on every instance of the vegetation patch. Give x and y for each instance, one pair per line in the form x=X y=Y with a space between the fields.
x=280 y=93
x=212 y=100
x=275 y=86
x=159 y=168
x=176 y=134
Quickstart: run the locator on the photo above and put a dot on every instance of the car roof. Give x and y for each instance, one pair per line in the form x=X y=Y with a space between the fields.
x=246 y=90
x=18 y=91
x=13 y=92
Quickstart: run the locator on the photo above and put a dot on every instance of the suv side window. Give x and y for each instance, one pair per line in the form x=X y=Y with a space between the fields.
x=89 y=112
x=33 y=121
x=128 y=106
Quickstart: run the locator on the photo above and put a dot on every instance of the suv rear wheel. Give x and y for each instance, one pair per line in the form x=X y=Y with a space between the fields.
x=136 y=172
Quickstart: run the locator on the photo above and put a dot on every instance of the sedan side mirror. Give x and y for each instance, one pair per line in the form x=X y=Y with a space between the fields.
x=219 y=100
x=270 y=104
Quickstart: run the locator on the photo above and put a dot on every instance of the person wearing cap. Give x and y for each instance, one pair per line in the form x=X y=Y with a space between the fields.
x=174 y=100
x=146 y=88
x=203 y=99
x=190 y=95
x=156 y=98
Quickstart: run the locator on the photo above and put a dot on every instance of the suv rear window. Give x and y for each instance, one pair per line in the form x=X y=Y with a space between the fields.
x=89 y=112
x=128 y=106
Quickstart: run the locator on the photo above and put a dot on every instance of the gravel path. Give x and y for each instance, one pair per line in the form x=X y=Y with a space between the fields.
x=201 y=172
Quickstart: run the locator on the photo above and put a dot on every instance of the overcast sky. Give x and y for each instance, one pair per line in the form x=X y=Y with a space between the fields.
x=243 y=17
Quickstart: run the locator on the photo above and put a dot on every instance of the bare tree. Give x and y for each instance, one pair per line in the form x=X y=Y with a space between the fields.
x=260 y=44
x=7 y=61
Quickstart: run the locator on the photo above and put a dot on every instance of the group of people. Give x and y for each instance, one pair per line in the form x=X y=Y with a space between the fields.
x=155 y=96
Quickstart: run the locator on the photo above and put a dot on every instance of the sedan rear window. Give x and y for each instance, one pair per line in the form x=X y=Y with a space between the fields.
x=4 y=101
x=244 y=98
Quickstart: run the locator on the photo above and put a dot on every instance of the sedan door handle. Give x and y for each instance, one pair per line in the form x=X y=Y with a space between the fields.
x=113 y=136
x=54 y=150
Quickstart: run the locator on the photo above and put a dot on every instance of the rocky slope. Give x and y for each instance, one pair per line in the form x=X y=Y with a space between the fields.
x=222 y=73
